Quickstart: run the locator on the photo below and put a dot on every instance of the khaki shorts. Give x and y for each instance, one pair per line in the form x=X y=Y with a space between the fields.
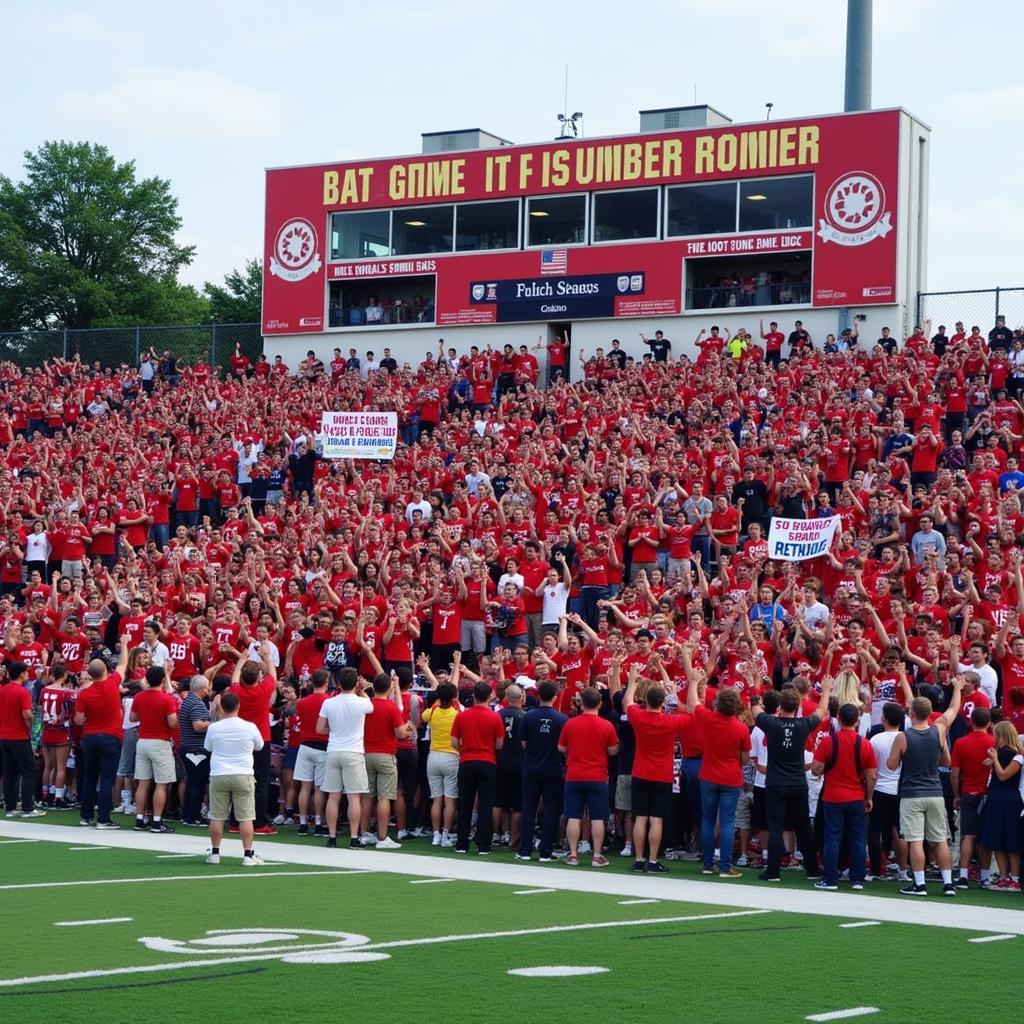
x=923 y=818
x=226 y=790
x=443 y=774
x=743 y=809
x=624 y=793
x=310 y=766
x=345 y=772
x=154 y=760
x=382 y=776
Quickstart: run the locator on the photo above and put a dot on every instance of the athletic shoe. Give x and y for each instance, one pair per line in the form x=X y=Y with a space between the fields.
x=825 y=886
x=559 y=854
x=83 y=823
x=627 y=850
x=1005 y=885
x=356 y=844
x=874 y=878
x=194 y=824
x=302 y=830
x=656 y=867
x=527 y=857
x=320 y=831
x=368 y=839
x=731 y=873
x=36 y=812
x=483 y=853
x=765 y=877
x=265 y=830
x=332 y=843
x=599 y=861
x=857 y=887
x=140 y=825
x=743 y=861
x=545 y=858
x=707 y=870
x=254 y=861
x=213 y=858
x=914 y=890
x=279 y=820
x=387 y=843
x=962 y=882
x=572 y=861
x=949 y=889
x=813 y=876
x=436 y=841
x=459 y=849
x=161 y=828
x=107 y=824
x=639 y=865
x=421 y=833
x=404 y=833
x=584 y=846
x=13 y=814
x=447 y=842
x=985 y=883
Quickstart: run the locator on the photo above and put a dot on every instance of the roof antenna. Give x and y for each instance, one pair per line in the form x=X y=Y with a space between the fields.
x=569 y=122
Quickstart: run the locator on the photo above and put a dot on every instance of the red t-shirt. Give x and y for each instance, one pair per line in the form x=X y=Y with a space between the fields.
x=725 y=737
x=379 y=730
x=968 y=753
x=656 y=734
x=843 y=784
x=101 y=705
x=14 y=699
x=586 y=740
x=255 y=706
x=477 y=728
x=153 y=707
x=307 y=711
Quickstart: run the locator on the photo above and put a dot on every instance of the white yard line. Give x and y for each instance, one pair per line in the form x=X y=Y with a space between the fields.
x=992 y=938
x=98 y=920
x=80 y=849
x=935 y=912
x=857 y=1011
x=635 y=903
x=531 y=892
x=209 y=877
x=859 y=924
x=430 y=881
x=11 y=842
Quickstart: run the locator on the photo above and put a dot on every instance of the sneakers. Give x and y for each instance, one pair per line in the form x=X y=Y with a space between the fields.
x=107 y=824
x=599 y=861
x=125 y=808
x=482 y=853
x=160 y=828
x=985 y=883
x=459 y=849
x=422 y=832
x=962 y=882
x=368 y=839
x=83 y=823
x=195 y=824
x=826 y=886
x=655 y=867
x=526 y=857
x=332 y=843
x=387 y=843
x=731 y=873
x=765 y=877
x=949 y=889
x=627 y=850
x=213 y=858
x=584 y=847
x=320 y=831
x=915 y=890
x=639 y=865
x=356 y=844
x=857 y=886
x=254 y=861
x=544 y=858
x=436 y=841
x=1005 y=885
x=743 y=861
x=447 y=841
x=140 y=825
x=284 y=819
x=36 y=812
x=302 y=830
x=404 y=833
x=707 y=870
x=572 y=861
x=264 y=830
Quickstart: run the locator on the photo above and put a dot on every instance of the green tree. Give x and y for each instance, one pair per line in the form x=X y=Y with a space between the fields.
x=83 y=241
x=239 y=300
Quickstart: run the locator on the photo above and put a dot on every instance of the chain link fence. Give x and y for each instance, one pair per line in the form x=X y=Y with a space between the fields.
x=977 y=308
x=114 y=346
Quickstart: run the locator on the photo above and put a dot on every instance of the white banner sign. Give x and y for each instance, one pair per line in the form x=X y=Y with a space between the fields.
x=358 y=435
x=793 y=540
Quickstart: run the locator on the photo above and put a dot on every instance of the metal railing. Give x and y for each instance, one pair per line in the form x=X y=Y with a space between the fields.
x=787 y=293
x=978 y=307
x=116 y=346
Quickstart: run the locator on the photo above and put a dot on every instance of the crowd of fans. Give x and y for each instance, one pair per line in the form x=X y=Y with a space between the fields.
x=558 y=601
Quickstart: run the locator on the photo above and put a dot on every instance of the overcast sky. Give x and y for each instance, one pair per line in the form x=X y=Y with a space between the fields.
x=209 y=94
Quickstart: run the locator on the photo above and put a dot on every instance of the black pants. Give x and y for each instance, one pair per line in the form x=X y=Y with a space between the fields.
x=18 y=761
x=261 y=769
x=885 y=816
x=550 y=786
x=477 y=781
x=408 y=773
x=787 y=806
x=101 y=753
x=197 y=775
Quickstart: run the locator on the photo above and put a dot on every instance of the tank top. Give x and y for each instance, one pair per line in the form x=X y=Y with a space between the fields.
x=920 y=768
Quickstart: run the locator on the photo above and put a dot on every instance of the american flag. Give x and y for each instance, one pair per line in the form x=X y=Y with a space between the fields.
x=554 y=261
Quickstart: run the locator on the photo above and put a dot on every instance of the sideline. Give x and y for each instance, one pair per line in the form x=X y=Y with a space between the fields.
x=935 y=912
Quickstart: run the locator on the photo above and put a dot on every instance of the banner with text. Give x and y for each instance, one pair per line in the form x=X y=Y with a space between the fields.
x=794 y=540
x=358 y=435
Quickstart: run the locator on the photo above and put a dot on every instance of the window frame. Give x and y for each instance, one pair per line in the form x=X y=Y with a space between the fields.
x=656 y=237
x=528 y=244
x=518 y=200
x=735 y=182
x=430 y=252
x=740 y=182
x=352 y=259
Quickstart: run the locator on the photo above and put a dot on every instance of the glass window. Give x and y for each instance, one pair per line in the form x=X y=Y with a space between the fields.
x=418 y=229
x=725 y=282
x=625 y=215
x=701 y=209
x=556 y=220
x=487 y=225
x=770 y=204
x=356 y=236
x=382 y=302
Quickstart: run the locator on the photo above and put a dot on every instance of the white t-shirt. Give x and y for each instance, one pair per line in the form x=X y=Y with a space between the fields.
x=888 y=781
x=555 y=600
x=988 y=681
x=345 y=716
x=815 y=615
x=254 y=652
x=231 y=742
x=759 y=755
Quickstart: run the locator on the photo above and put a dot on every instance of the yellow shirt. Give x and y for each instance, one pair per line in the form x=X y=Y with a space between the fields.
x=440 y=720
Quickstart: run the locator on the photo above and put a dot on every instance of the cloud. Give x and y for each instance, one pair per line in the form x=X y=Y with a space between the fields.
x=171 y=104
x=1004 y=104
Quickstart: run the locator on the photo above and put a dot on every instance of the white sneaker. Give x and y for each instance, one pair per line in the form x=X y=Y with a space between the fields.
x=279 y=820
x=447 y=841
x=436 y=841
x=404 y=833
x=129 y=809
x=369 y=839
x=387 y=843
x=213 y=858
x=584 y=846
x=743 y=861
x=254 y=861
x=36 y=812
x=627 y=850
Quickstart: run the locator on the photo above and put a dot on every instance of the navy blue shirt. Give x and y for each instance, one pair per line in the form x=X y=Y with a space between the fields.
x=539 y=730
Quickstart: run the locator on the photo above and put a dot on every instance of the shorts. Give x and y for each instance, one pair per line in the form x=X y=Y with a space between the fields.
x=970 y=818
x=758 y=813
x=126 y=766
x=382 y=776
x=239 y=790
x=154 y=759
x=345 y=771
x=624 y=793
x=508 y=794
x=651 y=799
x=923 y=818
x=291 y=756
x=310 y=765
x=443 y=774
x=590 y=795
x=744 y=815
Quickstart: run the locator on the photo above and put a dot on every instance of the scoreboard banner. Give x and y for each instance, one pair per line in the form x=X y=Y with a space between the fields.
x=854 y=159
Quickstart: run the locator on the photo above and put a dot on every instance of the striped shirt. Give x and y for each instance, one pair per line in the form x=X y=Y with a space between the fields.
x=192 y=710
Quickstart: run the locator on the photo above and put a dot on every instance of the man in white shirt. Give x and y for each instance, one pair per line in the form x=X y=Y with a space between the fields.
x=977 y=661
x=475 y=477
x=555 y=594
x=418 y=504
x=341 y=720
x=231 y=743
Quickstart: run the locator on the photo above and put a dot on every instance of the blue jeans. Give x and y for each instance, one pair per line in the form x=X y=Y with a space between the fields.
x=718 y=802
x=591 y=595
x=100 y=754
x=701 y=547
x=161 y=533
x=690 y=785
x=850 y=819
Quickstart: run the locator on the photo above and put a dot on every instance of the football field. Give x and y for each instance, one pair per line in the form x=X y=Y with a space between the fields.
x=118 y=926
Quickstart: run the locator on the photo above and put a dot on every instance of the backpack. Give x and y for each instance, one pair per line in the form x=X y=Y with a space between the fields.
x=833 y=755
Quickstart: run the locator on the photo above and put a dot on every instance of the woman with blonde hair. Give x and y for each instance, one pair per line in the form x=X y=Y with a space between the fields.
x=1000 y=822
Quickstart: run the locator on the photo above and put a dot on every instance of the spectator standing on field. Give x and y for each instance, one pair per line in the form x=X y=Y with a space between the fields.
x=477 y=734
x=16 y=743
x=540 y=730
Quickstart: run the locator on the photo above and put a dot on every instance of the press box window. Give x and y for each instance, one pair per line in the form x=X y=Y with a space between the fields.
x=487 y=226
x=422 y=229
x=620 y=216
x=556 y=220
x=701 y=209
x=773 y=204
x=356 y=236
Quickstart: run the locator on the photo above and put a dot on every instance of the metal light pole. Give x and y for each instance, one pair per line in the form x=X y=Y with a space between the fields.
x=858 y=55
